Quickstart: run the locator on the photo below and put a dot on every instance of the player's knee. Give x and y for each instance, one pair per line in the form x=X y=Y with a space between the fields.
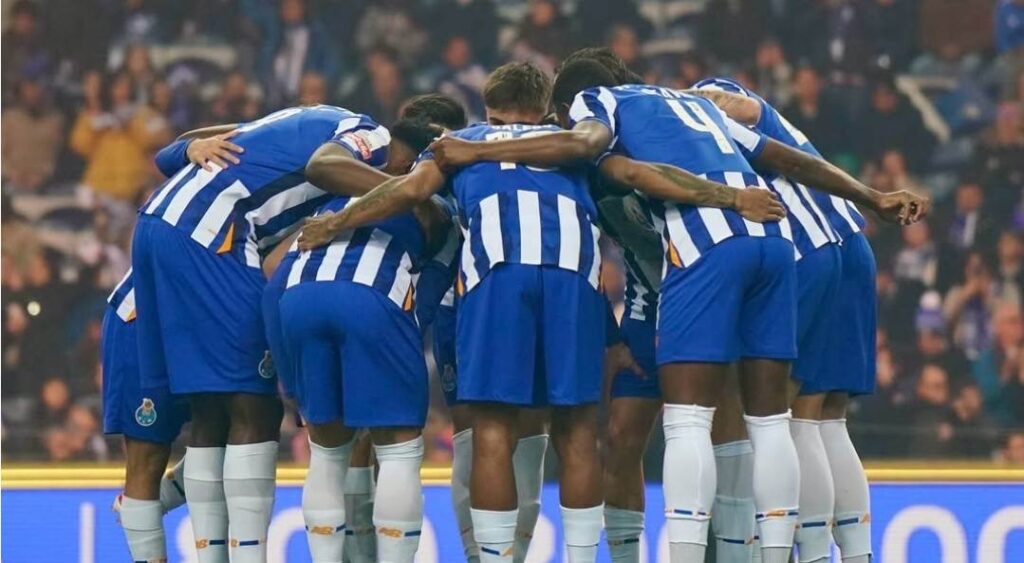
x=145 y=463
x=834 y=406
x=625 y=442
x=255 y=418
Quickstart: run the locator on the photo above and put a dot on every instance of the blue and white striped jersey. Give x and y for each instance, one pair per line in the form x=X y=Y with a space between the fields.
x=627 y=221
x=247 y=208
x=661 y=125
x=381 y=255
x=841 y=215
x=122 y=299
x=435 y=286
x=521 y=214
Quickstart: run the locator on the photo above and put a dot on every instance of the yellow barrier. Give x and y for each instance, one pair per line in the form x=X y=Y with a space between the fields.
x=69 y=476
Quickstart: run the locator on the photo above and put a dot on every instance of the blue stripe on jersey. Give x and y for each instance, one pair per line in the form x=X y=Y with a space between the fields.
x=122 y=299
x=246 y=208
x=690 y=231
x=842 y=216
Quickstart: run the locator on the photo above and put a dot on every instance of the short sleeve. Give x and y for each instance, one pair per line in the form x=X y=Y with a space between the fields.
x=594 y=104
x=750 y=141
x=367 y=141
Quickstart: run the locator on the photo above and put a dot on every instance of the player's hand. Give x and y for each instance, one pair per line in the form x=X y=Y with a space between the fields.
x=617 y=359
x=759 y=205
x=902 y=207
x=318 y=231
x=216 y=150
x=452 y=152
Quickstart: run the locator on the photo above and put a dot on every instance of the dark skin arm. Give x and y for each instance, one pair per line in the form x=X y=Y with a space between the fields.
x=204 y=132
x=667 y=182
x=740 y=108
x=395 y=196
x=582 y=144
x=897 y=207
x=334 y=169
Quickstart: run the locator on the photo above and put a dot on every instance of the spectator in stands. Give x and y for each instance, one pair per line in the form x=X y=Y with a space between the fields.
x=891 y=31
x=33 y=134
x=999 y=370
x=1013 y=448
x=968 y=23
x=461 y=76
x=916 y=262
x=893 y=123
x=54 y=402
x=292 y=45
x=1010 y=274
x=969 y=305
x=930 y=415
x=726 y=19
x=815 y=114
x=974 y=431
x=966 y=224
x=392 y=24
x=24 y=50
x=1001 y=160
x=544 y=36
x=312 y=89
x=139 y=66
x=773 y=75
x=475 y=20
x=116 y=136
x=624 y=42
x=1009 y=25
x=382 y=89
x=234 y=102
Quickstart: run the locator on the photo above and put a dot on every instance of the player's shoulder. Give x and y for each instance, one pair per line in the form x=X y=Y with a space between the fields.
x=482 y=131
x=342 y=119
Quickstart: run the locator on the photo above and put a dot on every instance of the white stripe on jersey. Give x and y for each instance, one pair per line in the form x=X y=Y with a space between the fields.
x=403 y=281
x=832 y=235
x=715 y=222
x=185 y=194
x=449 y=298
x=168 y=185
x=295 y=276
x=373 y=254
x=799 y=211
x=844 y=211
x=333 y=257
x=742 y=135
x=490 y=229
x=636 y=310
x=680 y=237
x=607 y=100
x=595 y=268
x=468 y=261
x=569 y=234
x=530 y=233
x=213 y=220
x=127 y=307
x=735 y=179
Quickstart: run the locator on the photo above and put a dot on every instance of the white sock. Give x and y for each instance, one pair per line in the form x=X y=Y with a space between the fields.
x=143 y=524
x=398 y=508
x=250 y=471
x=689 y=474
x=172 y=487
x=462 y=464
x=623 y=528
x=528 y=464
x=204 y=492
x=857 y=559
x=852 y=515
x=776 y=484
x=582 y=528
x=360 y=535
x=323 y=502
x=733 y=516
x=817 y=497
x=495 y=533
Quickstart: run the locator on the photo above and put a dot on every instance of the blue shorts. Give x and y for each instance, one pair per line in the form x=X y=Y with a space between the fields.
x=149 y=414
x=849 y=363
x=444 y=353
x=639 y=336
x=282 y=364
x=531 y=336
x=737 y=301
x=358 y=356
x=200 y=323
x=817 y=281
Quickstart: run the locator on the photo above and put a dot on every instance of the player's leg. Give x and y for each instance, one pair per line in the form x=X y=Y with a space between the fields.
x=462 y=463
x=733 y=516
x=528 y=466
x=630 y=420
x=852 y=514
x=360 y=536
x=204 y=476
x=398 y=508
x=312 y=344
x=492 y=486
x=574 y=436
x=141 y=512
x=768 y=332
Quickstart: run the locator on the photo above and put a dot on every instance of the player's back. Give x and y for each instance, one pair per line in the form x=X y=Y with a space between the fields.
x=522 y=214
x=842 y=215
x=249 y=207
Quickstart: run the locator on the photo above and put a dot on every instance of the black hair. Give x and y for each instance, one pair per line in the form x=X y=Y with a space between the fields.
x=435 y=108
x=607 y=59
x=578 y=76
x=416 y=133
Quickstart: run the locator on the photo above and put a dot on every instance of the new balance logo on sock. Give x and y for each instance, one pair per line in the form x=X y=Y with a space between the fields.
x=777 y=514
x=246 y=543
x=205 y=543
x=396 y=533
x=507 y=553
x=325 y=530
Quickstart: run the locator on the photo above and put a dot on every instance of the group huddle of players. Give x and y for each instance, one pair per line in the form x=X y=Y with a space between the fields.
x=309 y=250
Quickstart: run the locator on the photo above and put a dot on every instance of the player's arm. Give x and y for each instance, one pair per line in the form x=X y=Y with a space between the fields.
x=395 y=196
x=667 y=182
x=204 y=151
x=583 y=143
x=897 y=207
x=205 y=132
x=740 y=108
x=334 y=169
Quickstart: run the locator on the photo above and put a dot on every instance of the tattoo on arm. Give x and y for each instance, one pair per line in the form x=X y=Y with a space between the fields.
x=699 y=191
x=386 y=200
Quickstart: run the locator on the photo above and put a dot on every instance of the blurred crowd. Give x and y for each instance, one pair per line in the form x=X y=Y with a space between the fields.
x=919 y=94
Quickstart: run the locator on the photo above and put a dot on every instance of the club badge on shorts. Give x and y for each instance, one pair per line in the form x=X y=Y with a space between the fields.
x=266 y=368
x=145 y=415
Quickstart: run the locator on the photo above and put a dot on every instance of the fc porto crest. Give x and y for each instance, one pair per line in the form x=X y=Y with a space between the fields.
x=448 y=378
x=267 y=369
x=145 y=415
